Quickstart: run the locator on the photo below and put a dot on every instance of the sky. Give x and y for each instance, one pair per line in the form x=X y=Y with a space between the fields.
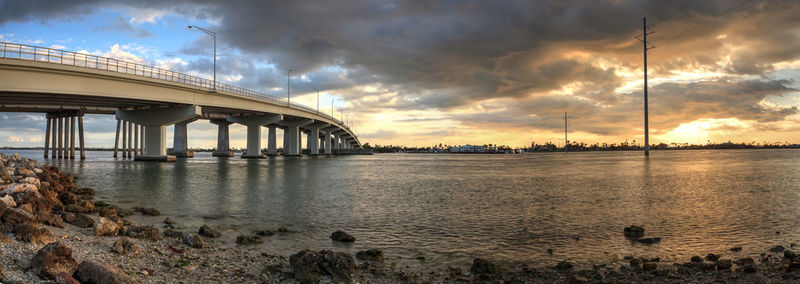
x=420 y=73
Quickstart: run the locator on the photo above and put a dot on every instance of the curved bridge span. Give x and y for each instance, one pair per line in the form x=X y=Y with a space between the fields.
x=146 y=99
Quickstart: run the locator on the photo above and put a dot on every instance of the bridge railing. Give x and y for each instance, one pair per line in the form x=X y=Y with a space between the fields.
x=84 y=60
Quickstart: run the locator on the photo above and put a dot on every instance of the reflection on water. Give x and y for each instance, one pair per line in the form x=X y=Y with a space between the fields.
x=452 y=208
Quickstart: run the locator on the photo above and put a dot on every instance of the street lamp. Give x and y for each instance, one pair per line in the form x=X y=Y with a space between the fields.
x=315 y=88
x=289 y=88
x=213 y=35
x=332 y=99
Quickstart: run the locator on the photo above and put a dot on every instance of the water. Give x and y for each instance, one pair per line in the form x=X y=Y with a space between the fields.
x=453 y=208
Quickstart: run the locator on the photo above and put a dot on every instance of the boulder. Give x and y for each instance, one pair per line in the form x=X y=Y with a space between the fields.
x=169 y=233
x=31 y=180
x=206 y=231
x=31 y=233
x=78 y=220
x=106 y=227
x=283 y=230
x=649 y=266
x=18 y=216
x=264 y=233
x=712 y=257
x=77 y=208
x=169 y=221
x=634 y=231
x=84 y=191
x=374 y=255
x=309 y=265
x=723 y=264
x=67 y=198
x=341 y=236
x=249 y=240
x=50 y=219
x=482 y=267
x=53 y=259
x=736 y=249
x=194 y=240
x=107 y=212
x=747 y=265
x=789 y=254
x=777 y=249
x=16 y=188
x=696 y=258
x=92 y=272
x=142 y=232
x=124 y=246
x=8 y=202
x=64 y=278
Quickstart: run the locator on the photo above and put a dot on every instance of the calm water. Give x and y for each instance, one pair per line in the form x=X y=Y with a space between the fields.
x=452 y=208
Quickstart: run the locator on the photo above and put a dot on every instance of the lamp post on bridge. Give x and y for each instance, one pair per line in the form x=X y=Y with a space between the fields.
x=213 y=35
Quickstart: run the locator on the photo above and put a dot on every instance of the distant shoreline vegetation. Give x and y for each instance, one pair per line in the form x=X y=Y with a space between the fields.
x=577 y=147
x=502 y=149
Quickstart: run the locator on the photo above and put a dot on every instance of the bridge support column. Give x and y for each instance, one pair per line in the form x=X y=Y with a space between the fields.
x=254 y=124
x=291 y=135
x=313 y=137
x=336 y=140
x=272 y=148
x=72 y=137
x=128 y=152
x=47 y=137
x=60 y=133
x=155 y=123
x=223 y=138
x=180 y=141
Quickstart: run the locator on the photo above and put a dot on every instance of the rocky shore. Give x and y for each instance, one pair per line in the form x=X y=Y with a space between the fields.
x=52 y=231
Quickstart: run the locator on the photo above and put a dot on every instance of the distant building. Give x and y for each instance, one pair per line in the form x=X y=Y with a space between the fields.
x=469 y=149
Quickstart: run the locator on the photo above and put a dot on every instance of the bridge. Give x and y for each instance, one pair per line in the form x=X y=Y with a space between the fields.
x=145 y=100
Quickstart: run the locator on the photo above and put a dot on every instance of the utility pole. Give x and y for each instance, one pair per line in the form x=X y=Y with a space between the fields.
x=566 y=142
x=645 y=46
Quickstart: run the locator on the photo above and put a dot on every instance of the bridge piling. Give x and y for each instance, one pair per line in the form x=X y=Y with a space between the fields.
x=272 y=149
x=72 y=137
x=47 y=137
x=60 y=136
x=80 y=136
x=223 y=149
x=180 y=141
x=128 y=152
x=116 y=139
x=313 y=137
x=155 y=121
x=293 y=129
x=54 y=137
x=136 y=141
x=124 y=139
x=253 y=124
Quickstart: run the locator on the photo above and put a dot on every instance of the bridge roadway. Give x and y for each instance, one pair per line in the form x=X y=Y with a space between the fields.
x=66 y=85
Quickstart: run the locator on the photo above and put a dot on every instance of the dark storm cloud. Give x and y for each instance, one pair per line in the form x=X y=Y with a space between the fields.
x=505 y=57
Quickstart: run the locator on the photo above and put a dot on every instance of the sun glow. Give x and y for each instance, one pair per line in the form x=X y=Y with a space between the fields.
x=705 y=129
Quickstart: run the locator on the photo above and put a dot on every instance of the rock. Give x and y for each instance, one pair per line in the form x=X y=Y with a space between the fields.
x=18 y=188
x=789 y=254
x=77 y=208
x=575 y=279
x=649 y=266
x=375 y=255
x=169 y=233
x=341 y=236
x=142 y=232
x=649 y=241
x=107 y=212
x=309 y=265
x=78 y=220
x=723 y=264
x=634 y=231
x=249 y=240
x=67 y=198
x=746 y=265
x=482 y=267
x=53 y=259
x=101 y=204
x=147 y=211
x=64 y=278
x=736 y=249
x=7 y=202
x=283 y=230
x=635 y=263
x=564 y=265
x=777 y=249
x=206 y=231
x=50 y=219
x=169 y=221
x=84 y=191
x=106 y=227
x=31 y=233
x=194 y=240
x=697 y=259
x=18 y=216
x=92 y=272
x=712 y=257
x=124 y=246
x=279 y=272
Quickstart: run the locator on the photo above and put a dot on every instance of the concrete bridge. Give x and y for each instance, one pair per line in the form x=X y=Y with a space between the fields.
x=145 y=100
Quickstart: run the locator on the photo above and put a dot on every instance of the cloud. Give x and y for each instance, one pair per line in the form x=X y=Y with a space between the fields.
x=15 y=139
x=121 y=25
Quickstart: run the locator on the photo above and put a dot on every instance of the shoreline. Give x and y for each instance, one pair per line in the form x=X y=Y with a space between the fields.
x=46 y=199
